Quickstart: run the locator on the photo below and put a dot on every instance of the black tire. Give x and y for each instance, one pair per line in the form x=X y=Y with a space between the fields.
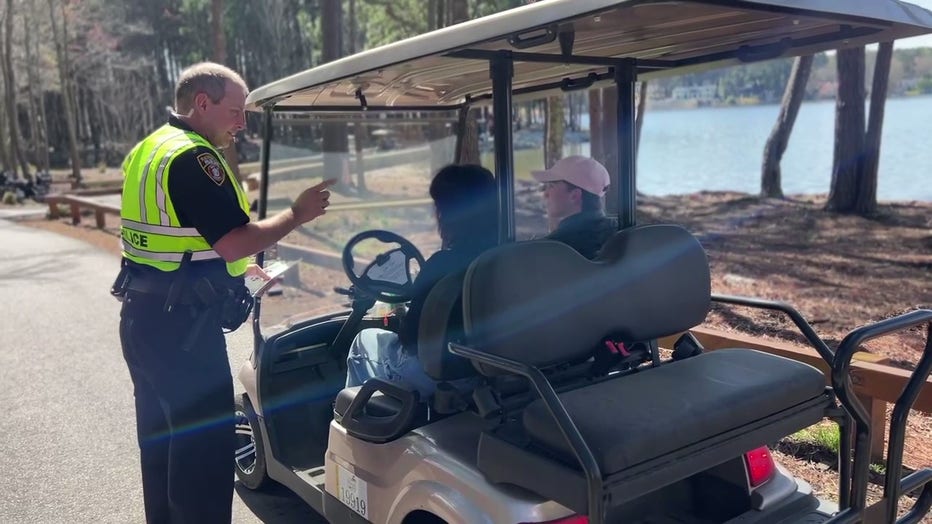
x=422 y=517
x=250 y=453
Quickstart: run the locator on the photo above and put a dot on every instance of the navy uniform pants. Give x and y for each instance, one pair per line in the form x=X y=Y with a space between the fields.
x=184 y=410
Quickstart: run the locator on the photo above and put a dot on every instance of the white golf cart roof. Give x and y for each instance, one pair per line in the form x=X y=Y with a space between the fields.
x=448 y=68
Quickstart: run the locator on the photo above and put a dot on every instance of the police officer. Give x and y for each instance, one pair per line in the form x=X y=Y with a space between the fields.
x=186 y=236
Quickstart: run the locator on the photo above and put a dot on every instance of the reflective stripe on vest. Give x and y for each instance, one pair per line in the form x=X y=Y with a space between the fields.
x=150 y=231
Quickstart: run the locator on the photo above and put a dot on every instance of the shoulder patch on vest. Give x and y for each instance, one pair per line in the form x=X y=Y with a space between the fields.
x=212 y=167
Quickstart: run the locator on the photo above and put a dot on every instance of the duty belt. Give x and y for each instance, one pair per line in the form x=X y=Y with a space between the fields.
x=229 y=300
x=175 y=287
x=159 y=287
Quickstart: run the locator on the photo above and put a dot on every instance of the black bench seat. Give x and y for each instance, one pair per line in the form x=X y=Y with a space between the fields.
x=636 y=418
x=657 y=427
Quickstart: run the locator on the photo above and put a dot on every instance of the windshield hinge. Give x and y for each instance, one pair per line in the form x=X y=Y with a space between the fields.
x=362 y=99
x=567 y=36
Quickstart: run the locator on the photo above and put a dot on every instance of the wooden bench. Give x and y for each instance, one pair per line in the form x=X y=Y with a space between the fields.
x=83 y=199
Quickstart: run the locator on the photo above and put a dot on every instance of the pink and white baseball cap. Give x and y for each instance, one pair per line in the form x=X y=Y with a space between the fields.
x=582 y=172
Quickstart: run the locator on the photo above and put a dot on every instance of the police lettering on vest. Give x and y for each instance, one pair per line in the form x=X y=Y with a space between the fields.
x=134 y=238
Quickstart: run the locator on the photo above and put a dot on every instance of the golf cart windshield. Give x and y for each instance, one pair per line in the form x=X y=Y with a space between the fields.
x=383 y=166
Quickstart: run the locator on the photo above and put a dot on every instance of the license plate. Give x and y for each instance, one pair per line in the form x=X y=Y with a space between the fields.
x=353 y=492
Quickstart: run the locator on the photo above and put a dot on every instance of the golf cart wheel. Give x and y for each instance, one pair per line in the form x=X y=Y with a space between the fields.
x=422 y=517
x=250 y=454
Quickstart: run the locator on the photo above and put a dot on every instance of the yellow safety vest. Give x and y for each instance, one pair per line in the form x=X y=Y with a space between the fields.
x=150 y=231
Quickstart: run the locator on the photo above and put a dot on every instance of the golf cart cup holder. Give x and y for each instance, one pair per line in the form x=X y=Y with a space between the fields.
x=842 y=384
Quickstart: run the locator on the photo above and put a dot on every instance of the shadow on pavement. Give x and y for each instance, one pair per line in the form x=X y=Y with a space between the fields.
x=277 y=504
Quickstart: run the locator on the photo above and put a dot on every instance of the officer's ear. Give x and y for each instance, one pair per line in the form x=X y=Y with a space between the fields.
x=201 y=101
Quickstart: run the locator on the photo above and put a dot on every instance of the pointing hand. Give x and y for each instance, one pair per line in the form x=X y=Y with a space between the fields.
x=312 y=202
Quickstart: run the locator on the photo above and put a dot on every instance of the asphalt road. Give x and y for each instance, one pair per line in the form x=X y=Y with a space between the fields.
x=68 y=451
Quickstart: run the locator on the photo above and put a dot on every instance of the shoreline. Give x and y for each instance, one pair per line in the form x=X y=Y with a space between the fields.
x=678 y=105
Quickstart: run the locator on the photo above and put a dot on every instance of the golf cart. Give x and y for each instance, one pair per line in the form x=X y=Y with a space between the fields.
x=546 y=435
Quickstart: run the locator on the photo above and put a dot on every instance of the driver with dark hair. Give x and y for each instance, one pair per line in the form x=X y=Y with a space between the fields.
x=465 y=203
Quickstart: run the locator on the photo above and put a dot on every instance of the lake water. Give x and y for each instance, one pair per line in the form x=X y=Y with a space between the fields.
x=684 y=151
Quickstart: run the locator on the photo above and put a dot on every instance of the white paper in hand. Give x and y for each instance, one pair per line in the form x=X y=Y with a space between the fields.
x=258 y=285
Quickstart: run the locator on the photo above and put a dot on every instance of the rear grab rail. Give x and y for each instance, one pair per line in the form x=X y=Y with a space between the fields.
x=570 y=432
x=894 y=487
x=804 y=327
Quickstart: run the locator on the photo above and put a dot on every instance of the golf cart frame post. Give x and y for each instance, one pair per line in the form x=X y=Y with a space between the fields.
x=624 y=72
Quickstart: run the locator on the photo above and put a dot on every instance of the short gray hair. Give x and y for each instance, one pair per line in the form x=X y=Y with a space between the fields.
x=206 y=77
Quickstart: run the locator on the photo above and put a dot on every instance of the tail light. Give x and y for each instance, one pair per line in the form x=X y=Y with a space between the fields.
x=574 y=519
x=760 y=466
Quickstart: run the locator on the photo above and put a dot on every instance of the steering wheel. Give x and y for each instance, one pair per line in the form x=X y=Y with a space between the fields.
x=388 y=277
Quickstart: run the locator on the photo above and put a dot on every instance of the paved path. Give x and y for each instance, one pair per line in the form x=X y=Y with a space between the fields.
x=67 y=426
x=23 y=211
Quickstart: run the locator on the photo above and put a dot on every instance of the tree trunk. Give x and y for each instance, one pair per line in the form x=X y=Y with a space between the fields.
x=432 y=14
x=5 y=156
x=4 y=152
x=866 y=202
x=9 y=79
x=459 y=11
x=60 y=37
x=849 y=131
x=359 y=129
x=639 y=122
x=353 y=27
x=335 y=143
x=553 y=130
x=219 y=38
x=438 y=15
x=595 y=124
x=36 y=116
x=219 y=55
x=610 y=144
x=469 y=152
x=771 y=185
x=441 y=14
x=43 y=129
x=34 y=147
x=469 y=149
x=359 y=140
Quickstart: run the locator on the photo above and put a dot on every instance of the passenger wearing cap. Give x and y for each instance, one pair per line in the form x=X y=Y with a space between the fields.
x=573 y=189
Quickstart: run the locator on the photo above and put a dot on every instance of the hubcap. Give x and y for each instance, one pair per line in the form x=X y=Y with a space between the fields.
x=245 y=445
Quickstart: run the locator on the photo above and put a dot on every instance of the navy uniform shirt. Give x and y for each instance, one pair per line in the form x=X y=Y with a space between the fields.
x=201 y=201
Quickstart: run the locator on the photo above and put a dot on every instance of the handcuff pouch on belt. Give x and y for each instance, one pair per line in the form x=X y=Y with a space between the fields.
x=232 y=304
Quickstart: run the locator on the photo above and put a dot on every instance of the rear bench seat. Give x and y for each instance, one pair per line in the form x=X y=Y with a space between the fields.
x=645 y=430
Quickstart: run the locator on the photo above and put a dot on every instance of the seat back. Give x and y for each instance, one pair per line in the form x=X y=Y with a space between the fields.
x=442 y=322
x=541 y=303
